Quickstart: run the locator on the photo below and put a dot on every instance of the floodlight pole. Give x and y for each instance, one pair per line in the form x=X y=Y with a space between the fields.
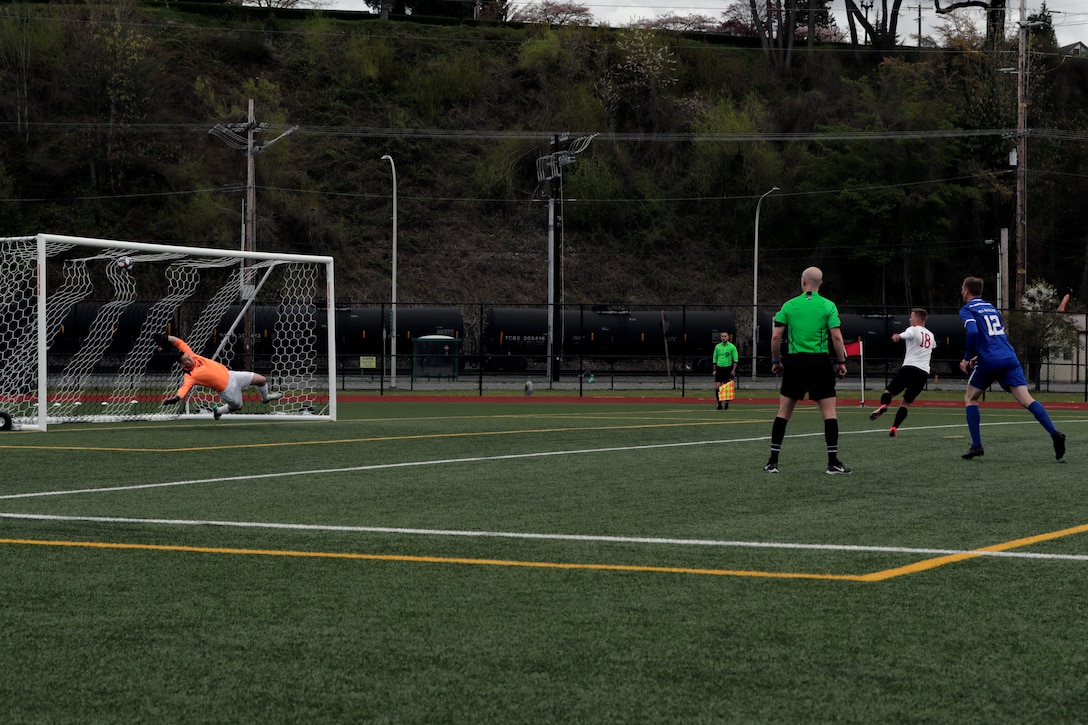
x=393 y=311
x=755 y=286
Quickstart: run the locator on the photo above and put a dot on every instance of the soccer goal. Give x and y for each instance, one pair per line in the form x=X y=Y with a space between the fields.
x=79 y=317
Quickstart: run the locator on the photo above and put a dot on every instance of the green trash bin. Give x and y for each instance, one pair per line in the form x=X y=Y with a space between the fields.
x=436 y=356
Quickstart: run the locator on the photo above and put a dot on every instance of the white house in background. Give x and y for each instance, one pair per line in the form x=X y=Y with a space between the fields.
x=1070 y=367
x=1077 y=50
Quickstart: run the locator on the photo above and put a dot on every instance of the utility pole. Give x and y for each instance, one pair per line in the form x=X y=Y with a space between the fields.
x=1021 y=155
x=548 y=169
x=919 y=9
x=232 y=135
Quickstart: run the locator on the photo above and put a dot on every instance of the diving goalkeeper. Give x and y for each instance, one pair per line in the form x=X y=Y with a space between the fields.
x=215 y=375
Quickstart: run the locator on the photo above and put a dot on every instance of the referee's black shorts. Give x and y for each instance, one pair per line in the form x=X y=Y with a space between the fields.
x=723 y=375
x=811 y=374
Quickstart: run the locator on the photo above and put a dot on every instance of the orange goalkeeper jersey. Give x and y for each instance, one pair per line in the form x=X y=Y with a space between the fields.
x=209 y=373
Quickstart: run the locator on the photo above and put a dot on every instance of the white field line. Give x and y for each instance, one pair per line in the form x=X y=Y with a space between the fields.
x=547 y=537
x=376 y=467
x=500 y=534
x=448 y=461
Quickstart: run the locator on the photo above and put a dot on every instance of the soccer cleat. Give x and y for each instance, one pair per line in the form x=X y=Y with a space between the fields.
x=837 y=469
x=771 y=467
x=727 y=405
x=1059 y=444
x=719 y=406
x=878 y=412
x=893 y=432
x=218 y=412
x=273 y=396
x=974 y=452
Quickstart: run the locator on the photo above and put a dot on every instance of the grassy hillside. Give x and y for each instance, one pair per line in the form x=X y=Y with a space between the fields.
x=891 y=170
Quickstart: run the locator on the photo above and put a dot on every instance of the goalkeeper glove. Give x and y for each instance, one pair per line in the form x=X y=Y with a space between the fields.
x=172 y=400
x=163 y=341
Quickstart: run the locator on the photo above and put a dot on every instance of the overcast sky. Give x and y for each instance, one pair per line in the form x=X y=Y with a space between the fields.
x=1070 y=16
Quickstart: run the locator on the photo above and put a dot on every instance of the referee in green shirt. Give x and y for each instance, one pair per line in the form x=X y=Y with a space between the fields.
x=725 y=362
x=809 y=325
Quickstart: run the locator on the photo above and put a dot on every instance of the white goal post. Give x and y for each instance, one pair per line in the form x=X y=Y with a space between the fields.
x=79 y=317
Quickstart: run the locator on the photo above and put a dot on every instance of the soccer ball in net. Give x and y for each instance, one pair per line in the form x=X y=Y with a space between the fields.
x=124 y=263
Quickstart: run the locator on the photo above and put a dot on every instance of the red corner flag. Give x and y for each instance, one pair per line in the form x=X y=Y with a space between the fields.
x=854 y=348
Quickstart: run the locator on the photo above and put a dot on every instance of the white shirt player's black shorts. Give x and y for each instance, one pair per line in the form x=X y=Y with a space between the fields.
x=909 y=381
x=811 y=374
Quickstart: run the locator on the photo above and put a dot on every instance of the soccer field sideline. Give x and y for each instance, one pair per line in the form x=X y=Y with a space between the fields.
x=842 y=403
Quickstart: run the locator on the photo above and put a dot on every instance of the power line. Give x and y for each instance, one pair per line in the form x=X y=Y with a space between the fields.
x=546 y=136
x=234 y=188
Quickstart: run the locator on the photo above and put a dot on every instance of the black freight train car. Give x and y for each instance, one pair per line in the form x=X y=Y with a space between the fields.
x=515 y=336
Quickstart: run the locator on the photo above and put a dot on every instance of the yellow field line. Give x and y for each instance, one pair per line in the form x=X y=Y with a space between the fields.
x=431 y=559
x=877 y=576
x=928 y=564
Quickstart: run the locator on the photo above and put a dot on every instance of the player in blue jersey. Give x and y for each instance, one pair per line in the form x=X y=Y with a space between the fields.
x=990 y=358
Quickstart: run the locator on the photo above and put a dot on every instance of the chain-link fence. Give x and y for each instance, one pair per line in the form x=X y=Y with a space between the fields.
x=590 y=349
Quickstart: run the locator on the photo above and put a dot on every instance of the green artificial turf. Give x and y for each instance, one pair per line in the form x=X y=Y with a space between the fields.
x=535 y=561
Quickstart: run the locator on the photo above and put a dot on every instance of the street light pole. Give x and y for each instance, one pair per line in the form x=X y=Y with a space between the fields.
x=1002 y=247
x=393 y=311
x=755 y=286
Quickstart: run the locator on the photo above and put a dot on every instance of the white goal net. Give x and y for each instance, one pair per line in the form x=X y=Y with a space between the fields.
x=79 y=317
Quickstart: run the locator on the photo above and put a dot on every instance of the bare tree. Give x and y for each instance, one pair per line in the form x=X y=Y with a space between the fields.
x=739 y=20
x=995 y=16
x=277 y=4
x=548 y=12
x=883 y=29
x=679 y=23
x=775 y=26
x=17 y=56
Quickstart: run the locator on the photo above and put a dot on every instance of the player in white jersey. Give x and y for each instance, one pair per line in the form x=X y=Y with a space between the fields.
x=912 y=377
